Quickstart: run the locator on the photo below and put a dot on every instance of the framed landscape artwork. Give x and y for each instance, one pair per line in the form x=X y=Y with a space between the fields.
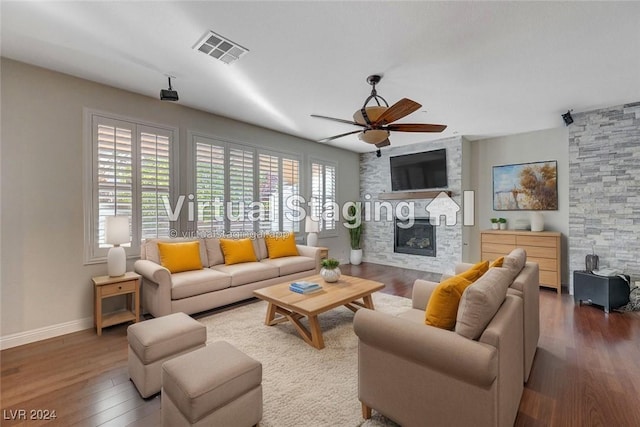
x=526 y=186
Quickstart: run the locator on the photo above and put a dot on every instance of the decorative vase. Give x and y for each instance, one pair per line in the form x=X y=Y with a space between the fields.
x=503 y=226
x=355 y=257
x=330 y=276
x=537 y=221
x=495 y=225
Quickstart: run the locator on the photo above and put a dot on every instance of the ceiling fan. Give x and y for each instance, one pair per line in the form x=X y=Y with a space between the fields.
x=376 y=121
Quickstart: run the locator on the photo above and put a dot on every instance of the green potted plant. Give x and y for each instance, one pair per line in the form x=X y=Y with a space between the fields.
x=494 y=223
x=330 y=271
x=502 y=223
x=355 y=234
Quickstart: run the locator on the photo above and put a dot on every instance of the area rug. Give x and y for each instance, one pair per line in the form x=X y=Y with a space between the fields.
x=303 y=386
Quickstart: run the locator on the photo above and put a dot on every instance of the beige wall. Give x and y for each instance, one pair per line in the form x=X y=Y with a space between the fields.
x=551 y=144
x=43 y=280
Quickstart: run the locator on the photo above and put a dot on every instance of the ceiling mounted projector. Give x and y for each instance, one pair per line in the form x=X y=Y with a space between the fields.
x=169 y=94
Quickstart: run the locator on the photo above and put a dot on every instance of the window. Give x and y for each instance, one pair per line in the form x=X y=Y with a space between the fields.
x=210 y=186
x=240 y=189
x=128 y=172
x=249 y=187
x=278 y=182
x=323 y=194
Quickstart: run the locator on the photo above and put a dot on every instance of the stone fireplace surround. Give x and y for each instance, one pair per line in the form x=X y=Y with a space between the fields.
x=378 y=236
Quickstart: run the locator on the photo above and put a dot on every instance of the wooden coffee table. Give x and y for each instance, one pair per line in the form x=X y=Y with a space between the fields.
x=292 y=306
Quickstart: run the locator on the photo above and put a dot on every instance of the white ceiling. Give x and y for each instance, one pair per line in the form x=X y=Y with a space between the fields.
x=483 y=68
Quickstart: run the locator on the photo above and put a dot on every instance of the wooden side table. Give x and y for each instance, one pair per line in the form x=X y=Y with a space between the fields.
x=105 y=287
x=324 y=252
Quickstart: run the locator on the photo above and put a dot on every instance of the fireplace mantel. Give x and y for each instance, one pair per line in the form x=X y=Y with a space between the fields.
x=400 y=195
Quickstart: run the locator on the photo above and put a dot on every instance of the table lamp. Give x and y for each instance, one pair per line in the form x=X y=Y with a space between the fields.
x=116 y=230
x=312 y=228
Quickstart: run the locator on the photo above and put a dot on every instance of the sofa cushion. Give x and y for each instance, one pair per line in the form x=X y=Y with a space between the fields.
x=260 y=248
x=291 y=264
x=237 y=251
x=150 y=251
x=214 y=252
x=248 y=272
x=515 y=261
x=281 y=246
x=180 y=256
x=443 y=304
x=481 y=301
x=191 y=283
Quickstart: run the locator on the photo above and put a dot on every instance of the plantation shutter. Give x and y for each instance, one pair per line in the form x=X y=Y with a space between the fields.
x=128 y=172
x=317 y=186
x=269 y=192
x=155 y=181
x=113 y=172
x=290 y=188
x=278 y=181
x=323 y=194
x=329 y=193
x=241 y=184
x=210 y=186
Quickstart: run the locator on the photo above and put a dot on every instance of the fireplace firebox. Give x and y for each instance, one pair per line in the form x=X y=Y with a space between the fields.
x=419 y=239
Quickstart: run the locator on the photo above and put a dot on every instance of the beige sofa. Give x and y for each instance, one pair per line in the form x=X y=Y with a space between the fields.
x=526 y=285
x=421 y=375
x=216 y=284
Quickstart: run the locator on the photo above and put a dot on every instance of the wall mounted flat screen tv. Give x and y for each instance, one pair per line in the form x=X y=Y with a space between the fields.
x=419 y=171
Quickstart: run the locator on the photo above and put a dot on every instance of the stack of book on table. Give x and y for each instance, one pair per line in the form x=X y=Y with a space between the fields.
x=304 y=287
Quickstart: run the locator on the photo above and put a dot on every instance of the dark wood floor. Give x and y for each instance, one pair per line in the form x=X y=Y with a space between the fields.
x=586 y=371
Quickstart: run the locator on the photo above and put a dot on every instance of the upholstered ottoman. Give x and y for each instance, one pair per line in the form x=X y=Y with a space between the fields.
x=154 y=341
x=214 y=386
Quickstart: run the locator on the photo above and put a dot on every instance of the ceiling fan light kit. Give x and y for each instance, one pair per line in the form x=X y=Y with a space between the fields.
x=377 y=120
x=372 y=114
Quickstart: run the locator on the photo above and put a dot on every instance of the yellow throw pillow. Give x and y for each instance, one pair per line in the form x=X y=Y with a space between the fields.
x=279 y=246
x=497 y=262
x=471 y=275
x=482 y=267
x=181 y=256
x=442 y=308
x=236 y=251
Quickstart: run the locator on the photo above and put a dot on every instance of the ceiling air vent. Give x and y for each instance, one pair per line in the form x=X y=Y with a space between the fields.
x=220 y=48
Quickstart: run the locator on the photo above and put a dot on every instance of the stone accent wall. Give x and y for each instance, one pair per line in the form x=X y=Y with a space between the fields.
x=604 y=196
x=378 y=236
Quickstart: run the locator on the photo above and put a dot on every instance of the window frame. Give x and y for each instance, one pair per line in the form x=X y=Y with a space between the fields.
x=227 y=144
x=324 y=163
x=93 y=254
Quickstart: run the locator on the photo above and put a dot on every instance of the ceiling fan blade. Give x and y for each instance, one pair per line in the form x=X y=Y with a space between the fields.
x=402 y=108
x=338 y=120
x=384 y=143
x=331 y=138
x=415 y=127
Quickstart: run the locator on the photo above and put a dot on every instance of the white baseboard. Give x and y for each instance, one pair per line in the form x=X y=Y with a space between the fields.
x=39 y=334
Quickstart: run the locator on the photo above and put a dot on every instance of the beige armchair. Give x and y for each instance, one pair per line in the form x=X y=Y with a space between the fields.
x=526 y=285
x=420 y=375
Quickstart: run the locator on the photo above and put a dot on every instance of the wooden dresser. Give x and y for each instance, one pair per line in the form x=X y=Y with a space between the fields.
x=542 y=247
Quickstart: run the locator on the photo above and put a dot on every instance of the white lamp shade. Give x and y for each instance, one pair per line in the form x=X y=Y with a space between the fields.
x=116 y=229
x=311 y=226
